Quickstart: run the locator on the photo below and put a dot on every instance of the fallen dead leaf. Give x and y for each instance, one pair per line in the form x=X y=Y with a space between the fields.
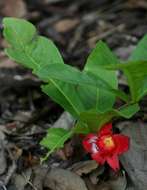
x=13 y=8
x=21 y=180
x=89 y=185
x=134 y=161
x=94 y=175
x=103 y=186
x=84 y=167
x=61 y=179
x=39 y=174
x=119 y=182
x=65 y=25
x=66 y=152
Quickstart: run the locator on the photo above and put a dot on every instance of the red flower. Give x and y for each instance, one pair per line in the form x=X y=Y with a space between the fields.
x=106 y=146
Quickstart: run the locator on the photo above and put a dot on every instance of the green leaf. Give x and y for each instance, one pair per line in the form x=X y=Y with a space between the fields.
x=140 y=52
x=33 y=51
x=66 y=96
x=68 y=74
x=27 y=47
x=136 y=73
x=55 y=138
x=96 y=120
x=65 y=73
x=127 y=111
x=14 y=34
x=102 y=55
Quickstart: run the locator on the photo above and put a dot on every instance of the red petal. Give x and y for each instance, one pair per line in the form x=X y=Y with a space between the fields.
x=122 y=143
x=106 y=130
x=98 y=158
x=87 y=142
x=113 y=162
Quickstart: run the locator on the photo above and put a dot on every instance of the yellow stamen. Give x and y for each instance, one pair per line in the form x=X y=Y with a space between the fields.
x=108 y=141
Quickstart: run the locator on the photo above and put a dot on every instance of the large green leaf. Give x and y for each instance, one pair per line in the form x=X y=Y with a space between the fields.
x=136 y=73
x=102 y=55
x=27 y=47
x=95 y=120
x=65 y=94
x=140 y=52
x=68 y=74
x=33 y=51
x=127 y=111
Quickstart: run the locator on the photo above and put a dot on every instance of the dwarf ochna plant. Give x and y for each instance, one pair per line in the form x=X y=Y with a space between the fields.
x=88 y=95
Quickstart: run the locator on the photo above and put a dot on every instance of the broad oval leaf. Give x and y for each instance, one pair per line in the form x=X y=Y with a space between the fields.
x=102 y=55
x=33 y=51
x=136 y=73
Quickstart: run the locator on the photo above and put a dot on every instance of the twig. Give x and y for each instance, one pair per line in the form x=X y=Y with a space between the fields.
x=106 y=34
x=29 y=182
x=2 y=186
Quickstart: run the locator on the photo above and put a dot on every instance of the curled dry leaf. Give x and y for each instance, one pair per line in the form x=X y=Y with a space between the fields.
x=84 y=167
x=61 y=179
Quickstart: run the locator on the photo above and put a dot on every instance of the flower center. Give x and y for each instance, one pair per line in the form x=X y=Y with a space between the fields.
x=108 y=142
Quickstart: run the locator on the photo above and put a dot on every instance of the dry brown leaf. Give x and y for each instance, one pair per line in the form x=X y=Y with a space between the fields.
x=13 y=8
x=84 y=167
x=65 y=25
x=21 y=180
x=89 y=185
x=61 y=179
x=94 y=175
x=134 y=161
x=133 y=4
x=119 y=182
